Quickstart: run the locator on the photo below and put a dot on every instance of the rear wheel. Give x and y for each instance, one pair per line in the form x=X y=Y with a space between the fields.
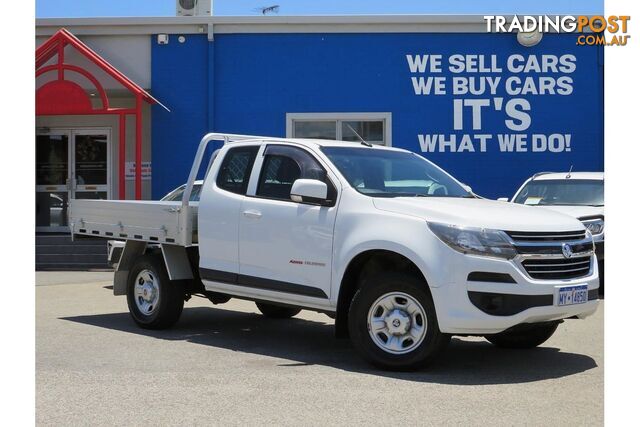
x=277 y=311
x=528 y=338
x=393 y=323
x=155 y=302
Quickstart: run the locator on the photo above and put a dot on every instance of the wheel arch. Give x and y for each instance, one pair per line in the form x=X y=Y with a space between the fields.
x=178 y=261
x=368 y=262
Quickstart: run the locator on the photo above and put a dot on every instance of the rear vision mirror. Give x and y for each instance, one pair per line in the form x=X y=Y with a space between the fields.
x=309 y=191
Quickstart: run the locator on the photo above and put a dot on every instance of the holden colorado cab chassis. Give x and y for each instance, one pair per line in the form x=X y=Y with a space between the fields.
x=401 y=254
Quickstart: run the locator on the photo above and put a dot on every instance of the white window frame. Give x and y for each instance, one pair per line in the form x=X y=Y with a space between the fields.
x=340 y=117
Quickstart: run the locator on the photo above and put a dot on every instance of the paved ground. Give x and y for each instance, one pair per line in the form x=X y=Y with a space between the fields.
x=228 y=365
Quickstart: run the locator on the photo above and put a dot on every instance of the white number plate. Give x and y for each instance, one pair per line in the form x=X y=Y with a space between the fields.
x=570 y=295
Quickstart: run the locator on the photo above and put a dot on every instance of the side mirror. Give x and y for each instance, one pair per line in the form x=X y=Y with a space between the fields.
x=309 y=191
x=503 y=199
x=467 y=188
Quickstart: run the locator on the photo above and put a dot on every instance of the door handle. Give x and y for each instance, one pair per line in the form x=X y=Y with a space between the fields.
x=252 y=213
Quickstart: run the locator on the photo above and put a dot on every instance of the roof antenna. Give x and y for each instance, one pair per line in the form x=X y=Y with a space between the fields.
x=362 y=141
x=265 y=10
x=569 y=174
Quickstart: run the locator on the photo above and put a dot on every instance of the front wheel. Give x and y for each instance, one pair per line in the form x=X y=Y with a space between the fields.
x=528 y=338
x=393 y=323
x=155 y=302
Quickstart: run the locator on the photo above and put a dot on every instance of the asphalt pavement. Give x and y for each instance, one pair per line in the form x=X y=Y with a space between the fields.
x=227 y=364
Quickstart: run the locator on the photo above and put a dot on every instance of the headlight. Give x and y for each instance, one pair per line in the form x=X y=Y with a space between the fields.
x=595 y=226
x=475 y=241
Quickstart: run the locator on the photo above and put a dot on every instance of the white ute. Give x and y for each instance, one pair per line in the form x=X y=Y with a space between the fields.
x=579 y=194
x=401 y=254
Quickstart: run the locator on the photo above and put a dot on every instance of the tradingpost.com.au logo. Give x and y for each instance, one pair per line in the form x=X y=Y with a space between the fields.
x=600 y=30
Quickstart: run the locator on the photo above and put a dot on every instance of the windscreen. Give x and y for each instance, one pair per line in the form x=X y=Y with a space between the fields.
x=387 y=173
x=567 y=192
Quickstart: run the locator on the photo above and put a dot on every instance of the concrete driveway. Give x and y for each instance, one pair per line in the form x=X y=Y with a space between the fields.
x=226 y=364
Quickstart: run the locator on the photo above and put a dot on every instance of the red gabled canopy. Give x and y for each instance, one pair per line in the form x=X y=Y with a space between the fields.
x=47 y=99
x=66 y=97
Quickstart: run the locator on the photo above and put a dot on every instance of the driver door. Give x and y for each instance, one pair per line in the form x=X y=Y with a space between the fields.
x=286 y=246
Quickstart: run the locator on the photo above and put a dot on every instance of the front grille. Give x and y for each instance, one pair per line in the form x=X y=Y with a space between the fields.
x=549 y=243
x=546 y=236
x=542 y=255
x=557 y=268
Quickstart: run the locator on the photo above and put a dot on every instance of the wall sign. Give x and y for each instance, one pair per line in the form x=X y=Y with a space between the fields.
x=130 y=171
x=500 y=86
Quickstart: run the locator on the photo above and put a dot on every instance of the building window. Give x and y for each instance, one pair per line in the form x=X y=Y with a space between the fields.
x=374 y=128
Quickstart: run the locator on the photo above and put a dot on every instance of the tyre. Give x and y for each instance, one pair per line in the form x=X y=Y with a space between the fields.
x=528 y=338
x=154 y=301
x=277 y=311
x=393 y=324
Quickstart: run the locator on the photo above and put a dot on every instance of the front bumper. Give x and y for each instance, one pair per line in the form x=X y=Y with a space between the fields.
x=495 y=303
x=508 y=304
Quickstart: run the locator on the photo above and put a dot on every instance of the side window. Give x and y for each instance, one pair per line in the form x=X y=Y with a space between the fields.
x=282 y=166
x=236 y=168
x=277 y=176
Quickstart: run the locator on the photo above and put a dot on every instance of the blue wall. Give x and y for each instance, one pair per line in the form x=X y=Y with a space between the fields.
x=246 y=83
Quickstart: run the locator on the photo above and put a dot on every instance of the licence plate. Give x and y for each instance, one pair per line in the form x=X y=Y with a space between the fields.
x=571 y=295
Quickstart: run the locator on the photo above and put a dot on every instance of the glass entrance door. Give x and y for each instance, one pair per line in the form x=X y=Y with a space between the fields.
x=69 y=164
x=90 y=160
x=52 y=180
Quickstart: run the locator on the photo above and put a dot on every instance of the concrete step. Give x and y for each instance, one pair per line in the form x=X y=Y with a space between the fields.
x=59 y=252
x=57 y=239
x=71 y=249
x=71 y=267
x=71 y=258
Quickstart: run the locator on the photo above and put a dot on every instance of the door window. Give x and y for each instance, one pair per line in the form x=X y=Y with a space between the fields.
x=52 y=159
x=282 y=166
x=91 y=159
x=90 y=174
x=236 y=169
x=277 y=177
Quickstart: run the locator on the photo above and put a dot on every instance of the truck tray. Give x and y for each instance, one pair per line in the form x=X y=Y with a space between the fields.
x=148 y=221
